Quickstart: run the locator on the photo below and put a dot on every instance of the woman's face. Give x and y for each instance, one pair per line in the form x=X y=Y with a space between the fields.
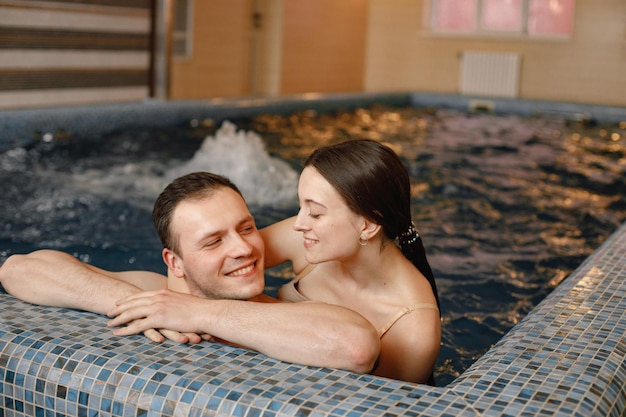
x=330 y=229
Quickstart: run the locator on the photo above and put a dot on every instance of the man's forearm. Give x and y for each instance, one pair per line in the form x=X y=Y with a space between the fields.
x=58 y=279
x=308 y=333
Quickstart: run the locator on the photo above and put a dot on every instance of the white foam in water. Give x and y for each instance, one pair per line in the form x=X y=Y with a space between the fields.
x=84 y=199
x=241 y=156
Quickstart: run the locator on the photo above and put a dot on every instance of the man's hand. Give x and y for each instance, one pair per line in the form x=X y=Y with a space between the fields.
x=164 y=310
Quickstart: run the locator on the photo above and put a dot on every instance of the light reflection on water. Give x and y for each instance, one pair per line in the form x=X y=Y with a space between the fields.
x=507 y=207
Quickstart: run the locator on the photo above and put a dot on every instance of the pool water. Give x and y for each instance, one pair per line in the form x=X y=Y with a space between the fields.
x=507 y=206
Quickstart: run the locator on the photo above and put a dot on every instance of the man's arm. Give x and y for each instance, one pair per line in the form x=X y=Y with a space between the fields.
x=58 y=279
x=55 y=278
x=308 y=333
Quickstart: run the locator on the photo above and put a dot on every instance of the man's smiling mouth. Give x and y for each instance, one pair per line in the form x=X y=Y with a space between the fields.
x=242 y=271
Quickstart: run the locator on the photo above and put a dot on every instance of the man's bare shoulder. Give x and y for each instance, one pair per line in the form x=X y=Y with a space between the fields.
x=146 y=280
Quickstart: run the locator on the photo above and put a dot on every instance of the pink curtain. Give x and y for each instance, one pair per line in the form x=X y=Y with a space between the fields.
x=454 y=15
x=502 y=15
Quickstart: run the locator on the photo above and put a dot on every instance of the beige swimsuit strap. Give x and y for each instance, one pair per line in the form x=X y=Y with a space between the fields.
x=406 y=310
x=305 y=271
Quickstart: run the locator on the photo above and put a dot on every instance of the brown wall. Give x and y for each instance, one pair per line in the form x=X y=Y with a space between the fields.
x=385 y=45
x=323 y=45
x=220 y=63
x=302 y=46
x=588 y=68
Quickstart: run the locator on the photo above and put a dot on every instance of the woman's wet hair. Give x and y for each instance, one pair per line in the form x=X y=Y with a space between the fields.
x=375 y=184
x=193 y=186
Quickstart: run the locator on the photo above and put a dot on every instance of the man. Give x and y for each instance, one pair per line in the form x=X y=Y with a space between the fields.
x=213 y=250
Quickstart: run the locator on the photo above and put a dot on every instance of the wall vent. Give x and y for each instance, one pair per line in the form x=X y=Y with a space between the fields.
x=490 y=74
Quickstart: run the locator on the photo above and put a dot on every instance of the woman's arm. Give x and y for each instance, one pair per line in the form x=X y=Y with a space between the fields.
x=282 y=244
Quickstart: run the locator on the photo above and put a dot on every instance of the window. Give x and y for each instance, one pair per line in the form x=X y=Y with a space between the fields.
x=551 y=17
x=182 y=28
x=532 y=18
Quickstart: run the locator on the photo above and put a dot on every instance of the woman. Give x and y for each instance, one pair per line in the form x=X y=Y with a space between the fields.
x=361 y=251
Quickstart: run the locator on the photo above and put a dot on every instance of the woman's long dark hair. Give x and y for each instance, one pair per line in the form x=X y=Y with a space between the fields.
x=374 y=182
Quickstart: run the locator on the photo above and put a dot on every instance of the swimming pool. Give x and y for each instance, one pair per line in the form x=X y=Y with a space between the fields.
x=507 y=205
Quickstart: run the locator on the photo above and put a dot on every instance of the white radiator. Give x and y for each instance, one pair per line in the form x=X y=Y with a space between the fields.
x=490 y=74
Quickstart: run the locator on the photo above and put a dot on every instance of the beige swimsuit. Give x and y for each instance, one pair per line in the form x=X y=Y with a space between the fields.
x=289 y=292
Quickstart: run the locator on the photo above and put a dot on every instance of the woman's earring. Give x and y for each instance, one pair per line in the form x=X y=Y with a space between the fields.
x=362 y=241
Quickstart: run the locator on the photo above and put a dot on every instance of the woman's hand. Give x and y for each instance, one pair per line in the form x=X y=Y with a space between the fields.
x=161 y=334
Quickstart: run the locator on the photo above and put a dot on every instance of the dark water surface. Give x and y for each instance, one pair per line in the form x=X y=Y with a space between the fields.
x=507 y=207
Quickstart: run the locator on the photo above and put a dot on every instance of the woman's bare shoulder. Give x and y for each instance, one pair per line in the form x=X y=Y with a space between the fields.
x=411 y=346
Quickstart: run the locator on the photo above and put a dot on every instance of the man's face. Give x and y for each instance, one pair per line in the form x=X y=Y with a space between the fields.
x=221 y=251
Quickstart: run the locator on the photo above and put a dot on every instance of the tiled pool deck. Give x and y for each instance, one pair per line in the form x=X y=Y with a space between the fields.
x=566 y=358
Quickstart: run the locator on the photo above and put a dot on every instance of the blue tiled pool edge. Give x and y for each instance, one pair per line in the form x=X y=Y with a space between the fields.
x=566 y=358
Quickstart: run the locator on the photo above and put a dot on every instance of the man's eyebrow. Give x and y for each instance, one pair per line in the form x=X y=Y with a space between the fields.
x=249 y=218
x=209 y=235
x=218 y=232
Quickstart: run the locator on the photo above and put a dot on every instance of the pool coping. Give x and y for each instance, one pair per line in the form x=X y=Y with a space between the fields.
x=20 y=127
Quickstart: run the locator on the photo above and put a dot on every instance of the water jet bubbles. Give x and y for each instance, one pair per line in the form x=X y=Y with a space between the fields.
x=14 y=159
x=615 y=136
x=47 y=137
x=241 y=156
x=194 y=123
